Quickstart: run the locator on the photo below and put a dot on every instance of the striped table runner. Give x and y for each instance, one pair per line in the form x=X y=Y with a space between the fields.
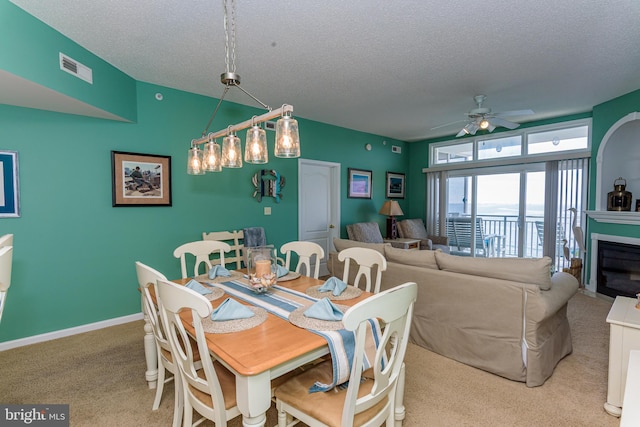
x=281 y=301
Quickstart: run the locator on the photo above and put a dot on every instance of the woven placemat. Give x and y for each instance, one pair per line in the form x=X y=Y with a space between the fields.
x=292 y=275
x=215 y=293
x=226 y=326
x=297 y=317
x=349 y=293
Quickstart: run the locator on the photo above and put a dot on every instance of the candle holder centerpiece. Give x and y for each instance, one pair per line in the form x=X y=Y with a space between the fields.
x=262 y=268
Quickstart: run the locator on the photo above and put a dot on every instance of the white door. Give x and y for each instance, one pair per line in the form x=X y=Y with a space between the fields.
x=319 y=204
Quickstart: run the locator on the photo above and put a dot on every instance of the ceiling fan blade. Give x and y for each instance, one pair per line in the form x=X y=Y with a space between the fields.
x=448 y=124
x=515 y=113
x=462 y=133
x=497 y=121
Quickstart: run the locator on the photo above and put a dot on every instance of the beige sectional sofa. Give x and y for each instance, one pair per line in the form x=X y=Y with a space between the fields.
x=507 y=316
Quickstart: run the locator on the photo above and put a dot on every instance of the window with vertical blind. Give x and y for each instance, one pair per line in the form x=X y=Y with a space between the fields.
x=519 y=186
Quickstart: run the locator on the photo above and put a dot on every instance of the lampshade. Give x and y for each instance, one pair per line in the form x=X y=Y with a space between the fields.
x=287 y=137
x=212 y=157
x=231 y=152
x=194 y=161
x=391 y=208
x=255 y=150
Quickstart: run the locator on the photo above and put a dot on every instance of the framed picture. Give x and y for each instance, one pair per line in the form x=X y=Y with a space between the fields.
x=9 y=188
x=359 y=184
x=395 y=185
x=140 y=179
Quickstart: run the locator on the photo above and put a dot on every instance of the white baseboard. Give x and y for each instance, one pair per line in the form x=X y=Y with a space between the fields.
x=68 y=332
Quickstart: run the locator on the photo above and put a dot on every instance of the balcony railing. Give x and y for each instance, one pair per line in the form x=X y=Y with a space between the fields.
x=503 y=232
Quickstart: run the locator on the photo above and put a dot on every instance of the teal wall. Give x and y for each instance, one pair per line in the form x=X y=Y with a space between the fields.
x=74 y=254
x=30 y=49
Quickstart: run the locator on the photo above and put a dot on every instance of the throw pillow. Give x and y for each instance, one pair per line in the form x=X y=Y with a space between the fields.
x=423 y=258
x=523 y=270
x=342 y=244
x=365 y=232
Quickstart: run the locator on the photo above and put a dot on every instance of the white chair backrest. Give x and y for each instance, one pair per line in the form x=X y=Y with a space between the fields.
x=6 y=240
x=202 y=250
x=366 y=259
x=6 y=261
x=305 y=251
x=172 y=299
x=147 y=278
x=394 y=308
x=235 y=239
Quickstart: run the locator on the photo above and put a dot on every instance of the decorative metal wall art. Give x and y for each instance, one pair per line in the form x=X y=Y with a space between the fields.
x=269 y=183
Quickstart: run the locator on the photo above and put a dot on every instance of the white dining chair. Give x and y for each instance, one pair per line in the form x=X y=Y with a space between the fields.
x=370 y=397
x=147 y=278
x=366 y=259
x=6 y=240
x=202 y=250
x=6 y=262
x=305 y=251
x=211 y=390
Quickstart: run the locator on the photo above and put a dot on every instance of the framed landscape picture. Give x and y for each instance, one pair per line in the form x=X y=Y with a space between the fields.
x=395 y=185
x=9 y=188
x=359 y=184
x=140 y=179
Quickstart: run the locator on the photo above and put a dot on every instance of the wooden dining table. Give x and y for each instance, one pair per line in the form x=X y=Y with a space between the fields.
x=265 y=352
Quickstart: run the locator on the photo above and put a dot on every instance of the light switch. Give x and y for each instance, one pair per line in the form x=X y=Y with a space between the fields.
x=267 y=210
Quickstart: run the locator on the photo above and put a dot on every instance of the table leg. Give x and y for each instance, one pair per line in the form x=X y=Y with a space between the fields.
x=253 y=394
x=150 y=352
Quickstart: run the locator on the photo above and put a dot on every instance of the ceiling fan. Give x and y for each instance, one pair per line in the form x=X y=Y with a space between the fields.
x=482 y=118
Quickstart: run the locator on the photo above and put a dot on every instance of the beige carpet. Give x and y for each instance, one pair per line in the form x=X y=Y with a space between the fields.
x=101 y=375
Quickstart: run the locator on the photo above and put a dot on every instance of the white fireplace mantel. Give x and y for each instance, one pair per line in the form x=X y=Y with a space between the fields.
x=615 y=217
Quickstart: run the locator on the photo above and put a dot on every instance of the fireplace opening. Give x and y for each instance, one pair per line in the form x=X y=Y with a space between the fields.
x=618 y=269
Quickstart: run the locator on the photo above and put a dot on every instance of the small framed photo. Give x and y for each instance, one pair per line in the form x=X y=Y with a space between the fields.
x=9 y=188
x=140 y=179
x=360 y=182
x=395 y=185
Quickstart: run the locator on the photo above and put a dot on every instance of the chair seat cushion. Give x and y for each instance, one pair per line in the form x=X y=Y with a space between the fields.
x=227 y=383
x=325 y=407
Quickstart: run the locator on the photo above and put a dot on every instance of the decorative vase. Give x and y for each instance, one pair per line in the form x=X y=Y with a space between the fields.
x=261 y=261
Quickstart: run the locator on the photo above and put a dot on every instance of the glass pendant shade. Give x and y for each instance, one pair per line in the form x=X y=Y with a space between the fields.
x=231 y=152
x=194 y=161
x=256 y=146
x=287 y=138
x=212 y=157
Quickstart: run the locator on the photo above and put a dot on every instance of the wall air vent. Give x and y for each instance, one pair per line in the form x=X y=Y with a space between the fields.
x=72 y=66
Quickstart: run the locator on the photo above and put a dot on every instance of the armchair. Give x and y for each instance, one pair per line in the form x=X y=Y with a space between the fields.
x=415 y=229
x=367 y=232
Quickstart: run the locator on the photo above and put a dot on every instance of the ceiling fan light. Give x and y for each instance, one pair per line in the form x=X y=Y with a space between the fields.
x=484 y=124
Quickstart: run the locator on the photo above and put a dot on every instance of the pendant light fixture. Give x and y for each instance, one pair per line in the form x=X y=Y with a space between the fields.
x=287 y=144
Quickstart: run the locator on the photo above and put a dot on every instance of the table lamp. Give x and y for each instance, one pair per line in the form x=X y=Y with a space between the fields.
x=391 y=209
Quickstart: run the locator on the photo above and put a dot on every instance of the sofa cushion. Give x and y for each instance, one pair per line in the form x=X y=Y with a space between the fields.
x=524 y=270
x=368 y=232
x=424 y=258
x=342 y=244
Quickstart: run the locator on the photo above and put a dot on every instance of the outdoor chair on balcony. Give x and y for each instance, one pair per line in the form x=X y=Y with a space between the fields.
x=459 y=233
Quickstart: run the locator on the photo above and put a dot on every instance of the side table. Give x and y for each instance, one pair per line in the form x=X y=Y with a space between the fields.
x=624 y=336
x=404 y=243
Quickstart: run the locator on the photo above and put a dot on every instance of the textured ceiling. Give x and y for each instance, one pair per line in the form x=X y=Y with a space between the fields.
x=393 y=68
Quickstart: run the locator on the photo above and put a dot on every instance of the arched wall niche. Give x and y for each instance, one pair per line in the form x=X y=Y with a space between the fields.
x=619 y=156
